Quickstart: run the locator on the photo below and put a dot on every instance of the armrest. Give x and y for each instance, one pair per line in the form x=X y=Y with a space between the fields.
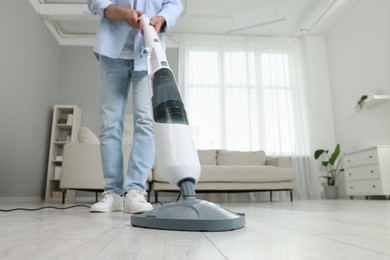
x=81 y=167
x=283 y=162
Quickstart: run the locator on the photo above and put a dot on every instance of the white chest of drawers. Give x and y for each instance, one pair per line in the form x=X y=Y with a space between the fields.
x=367 y=172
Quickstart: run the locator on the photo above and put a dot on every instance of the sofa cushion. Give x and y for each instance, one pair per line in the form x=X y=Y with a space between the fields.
x=225 y=157
x=86 y=136
x=207 y=157
x=239 y=174
x=246 y=174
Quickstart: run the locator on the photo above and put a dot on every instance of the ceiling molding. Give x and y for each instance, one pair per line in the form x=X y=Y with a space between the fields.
x=71 y=39
x=71 y=22
x=55 y=13
x=313 y=15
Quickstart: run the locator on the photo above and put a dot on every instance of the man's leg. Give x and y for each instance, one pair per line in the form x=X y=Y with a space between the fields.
x=143 y=150
x=113 y=92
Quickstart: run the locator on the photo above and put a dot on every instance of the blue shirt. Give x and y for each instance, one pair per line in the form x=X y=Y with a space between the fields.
x=111 y=35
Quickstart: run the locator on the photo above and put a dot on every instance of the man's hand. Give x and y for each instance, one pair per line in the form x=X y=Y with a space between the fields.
x=131 y=16
x=157 y=22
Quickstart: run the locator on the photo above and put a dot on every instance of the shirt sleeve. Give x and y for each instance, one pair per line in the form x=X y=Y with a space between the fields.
x=97 y=7
x=171 y=9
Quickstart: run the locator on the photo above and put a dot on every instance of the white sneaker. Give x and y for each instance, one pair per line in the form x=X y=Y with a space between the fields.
x=110 y=202
x=135 y=202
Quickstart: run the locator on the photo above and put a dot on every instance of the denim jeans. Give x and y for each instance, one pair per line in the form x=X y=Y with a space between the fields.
x=115 y=76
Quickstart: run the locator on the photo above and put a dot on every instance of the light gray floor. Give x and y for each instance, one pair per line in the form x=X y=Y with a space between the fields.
x=316 y=229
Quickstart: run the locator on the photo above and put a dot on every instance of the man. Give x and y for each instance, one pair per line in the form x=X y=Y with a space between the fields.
x=118 y=47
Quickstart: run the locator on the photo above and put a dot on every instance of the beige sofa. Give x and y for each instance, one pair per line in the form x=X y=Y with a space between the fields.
x=221 y=171
x=82 y=170
x=235 y=171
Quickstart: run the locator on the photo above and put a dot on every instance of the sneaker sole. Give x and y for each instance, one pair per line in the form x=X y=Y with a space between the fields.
x=138 y=211
x=105 y=210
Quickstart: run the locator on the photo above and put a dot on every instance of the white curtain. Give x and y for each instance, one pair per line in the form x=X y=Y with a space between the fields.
x=247 y=94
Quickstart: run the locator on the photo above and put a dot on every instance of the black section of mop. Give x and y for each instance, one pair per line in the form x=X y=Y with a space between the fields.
x=168 y=106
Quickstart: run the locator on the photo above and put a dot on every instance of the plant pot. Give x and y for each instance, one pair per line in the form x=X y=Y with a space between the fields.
x=331 y=192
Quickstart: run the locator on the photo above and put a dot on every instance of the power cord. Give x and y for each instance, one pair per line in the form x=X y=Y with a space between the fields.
x=161 y=204
x=45 y=207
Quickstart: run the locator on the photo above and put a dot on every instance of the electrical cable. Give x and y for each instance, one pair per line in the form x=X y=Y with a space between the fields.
x=45 y=207
x=162 y=204
x=178 y=197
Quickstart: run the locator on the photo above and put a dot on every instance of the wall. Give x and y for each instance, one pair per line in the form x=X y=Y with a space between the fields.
x=365 y=66
x=29 y=58
x=78 y=83
x=318 y=94
x=359 y=62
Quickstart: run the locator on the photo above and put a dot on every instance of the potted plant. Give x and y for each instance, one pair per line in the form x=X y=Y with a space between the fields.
x=361 y=102
x=332 y=166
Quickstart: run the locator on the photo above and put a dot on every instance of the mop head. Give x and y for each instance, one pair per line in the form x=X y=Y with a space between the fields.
x=190 y=215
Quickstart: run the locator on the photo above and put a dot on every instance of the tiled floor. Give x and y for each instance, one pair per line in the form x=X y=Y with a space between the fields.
x=316 y=229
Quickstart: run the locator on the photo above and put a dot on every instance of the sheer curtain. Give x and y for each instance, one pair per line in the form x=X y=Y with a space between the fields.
x=246 y=93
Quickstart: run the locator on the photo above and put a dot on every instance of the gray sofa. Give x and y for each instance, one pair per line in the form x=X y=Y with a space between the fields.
x=221 y=171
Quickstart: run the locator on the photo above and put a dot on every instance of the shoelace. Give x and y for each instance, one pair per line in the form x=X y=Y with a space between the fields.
x=136 y=193
x=105 y=196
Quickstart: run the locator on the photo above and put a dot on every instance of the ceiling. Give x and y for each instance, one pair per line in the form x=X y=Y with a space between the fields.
x=72 y=24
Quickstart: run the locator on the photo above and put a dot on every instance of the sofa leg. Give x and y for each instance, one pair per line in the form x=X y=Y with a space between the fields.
x=291 y=195
x=155 y=196
x=149 y=191
x=63 y=196
x=270 y=195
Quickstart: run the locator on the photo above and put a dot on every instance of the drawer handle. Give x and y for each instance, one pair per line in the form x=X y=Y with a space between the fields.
x=372 y=171
x=370 y=156
x=351 y=187
x=374 y=186
x=349 y=160
x=350 y=174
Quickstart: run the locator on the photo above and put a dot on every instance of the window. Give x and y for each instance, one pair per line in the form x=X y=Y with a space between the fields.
x=239 y=98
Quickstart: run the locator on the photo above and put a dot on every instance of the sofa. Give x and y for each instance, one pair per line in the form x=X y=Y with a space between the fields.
x=236 y=171
x=82 y=170
x=221 y=171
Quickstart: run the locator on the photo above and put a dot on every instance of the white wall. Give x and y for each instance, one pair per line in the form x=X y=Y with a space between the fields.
x=78 y=83
x=359 y=62
x=319 y=99
x=29 y=59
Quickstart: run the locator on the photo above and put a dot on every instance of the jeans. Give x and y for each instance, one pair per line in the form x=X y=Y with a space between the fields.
x=115 y=76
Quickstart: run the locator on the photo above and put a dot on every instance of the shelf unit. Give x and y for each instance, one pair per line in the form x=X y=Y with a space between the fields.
x=373 y=100
x=66 y=122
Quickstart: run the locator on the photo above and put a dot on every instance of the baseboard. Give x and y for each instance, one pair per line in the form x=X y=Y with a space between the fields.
x=28 y=199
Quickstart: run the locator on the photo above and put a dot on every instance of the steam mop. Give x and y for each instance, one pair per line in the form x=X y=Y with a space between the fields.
x=176 y=156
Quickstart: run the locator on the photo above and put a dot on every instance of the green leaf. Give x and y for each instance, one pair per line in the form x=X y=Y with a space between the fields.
x=325 y=163
x=362 y=98
x=318 y=153
x=334 y=155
